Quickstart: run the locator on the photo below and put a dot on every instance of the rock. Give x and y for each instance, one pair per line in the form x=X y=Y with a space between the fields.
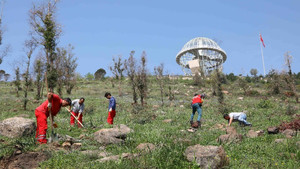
x=208 y=157
x=76 y=145
x=117 y=157
x=280 y=141
x=146 y=147
x=289 y=133
x=18 y=152
x=252 y=134
x=155 y=106
x=82 y=136
x=181 y=106
x=230 y=130
x=260 y=132
x=17 y=127
x=114 y=135
x=240 y=98
x=104 y=154
x=225 y=92
x=66 y=145
x=231 y=137
x=273 y=130
x=167 y=121
x=192 y=130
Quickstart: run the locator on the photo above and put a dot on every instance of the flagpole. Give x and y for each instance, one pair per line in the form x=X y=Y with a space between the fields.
x=262 y=55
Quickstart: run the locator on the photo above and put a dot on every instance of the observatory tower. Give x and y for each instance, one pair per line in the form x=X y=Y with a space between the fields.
x=200 y=55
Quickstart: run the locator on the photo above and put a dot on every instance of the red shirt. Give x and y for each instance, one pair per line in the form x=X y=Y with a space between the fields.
x=56 y=105
x=197 y=99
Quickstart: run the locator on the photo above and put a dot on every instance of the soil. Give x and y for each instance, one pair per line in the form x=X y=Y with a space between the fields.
x=21 y=161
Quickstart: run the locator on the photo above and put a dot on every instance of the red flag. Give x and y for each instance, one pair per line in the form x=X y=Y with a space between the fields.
x=262 y=41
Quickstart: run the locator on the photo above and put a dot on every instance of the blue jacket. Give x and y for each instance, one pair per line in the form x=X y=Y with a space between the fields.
x=112 y=103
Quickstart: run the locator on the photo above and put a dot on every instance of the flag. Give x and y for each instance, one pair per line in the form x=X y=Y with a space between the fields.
x=262 y=41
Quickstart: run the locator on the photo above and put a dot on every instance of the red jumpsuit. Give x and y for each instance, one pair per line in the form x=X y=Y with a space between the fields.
x=42 y=113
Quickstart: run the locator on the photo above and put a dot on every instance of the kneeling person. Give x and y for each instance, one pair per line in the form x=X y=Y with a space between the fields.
x=237 y=116
x=77 y=110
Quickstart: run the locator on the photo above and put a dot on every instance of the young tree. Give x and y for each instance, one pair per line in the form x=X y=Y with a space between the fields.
x=253 y=72
x=289 y=77
x=130 y=67
x=70 y=66
x=17 y=81
x=142 y=79
x=159 y=74
x=30 y=45
x=99 y=74
x=89 y=76
x=46 y=32
x=39 y=69
x=117 y=70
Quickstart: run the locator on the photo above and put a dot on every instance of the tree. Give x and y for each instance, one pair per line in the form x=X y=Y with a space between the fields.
x=117 y=70
x=231 y=77
x=46 y=32
x=30 y=45
x=17 y=81
x=39 y=69
x=142 y=78
x=89 y=76
x=159 y=71
x=253 y=72
x=289 y=77
x=99 y=74
x=130 y=68
x=70 y=66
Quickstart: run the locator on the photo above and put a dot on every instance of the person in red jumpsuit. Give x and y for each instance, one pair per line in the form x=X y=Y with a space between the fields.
x=53 y=103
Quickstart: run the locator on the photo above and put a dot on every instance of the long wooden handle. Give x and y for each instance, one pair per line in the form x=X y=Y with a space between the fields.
x=49 y=109
x=74 y=117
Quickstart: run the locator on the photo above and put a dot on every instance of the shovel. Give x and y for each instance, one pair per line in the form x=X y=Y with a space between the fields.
x=75 y=117
x=53 y=137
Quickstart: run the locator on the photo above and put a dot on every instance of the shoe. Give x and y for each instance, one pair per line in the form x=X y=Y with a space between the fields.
x=199 y=123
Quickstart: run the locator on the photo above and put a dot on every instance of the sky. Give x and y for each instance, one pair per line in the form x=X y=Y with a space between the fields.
x=102 y=29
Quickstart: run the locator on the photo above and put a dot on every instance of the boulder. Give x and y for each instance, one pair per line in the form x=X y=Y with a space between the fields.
x=289 y=133
x=17 y=127
x=273 y=130
x=146 y=147
x=231 y=137
x=252 y=134
x=207 y=157
x=114 y=135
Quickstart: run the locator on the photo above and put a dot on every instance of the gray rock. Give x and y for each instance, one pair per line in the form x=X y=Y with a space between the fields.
x=231 y=137
x=146 y=147
x=114 y=135
x=289 y=133
x=252 y=134
x=17 y=127
x=208 y=157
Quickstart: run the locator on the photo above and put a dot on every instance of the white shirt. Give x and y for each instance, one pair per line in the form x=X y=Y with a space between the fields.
x=235 y=115
x=76 y=107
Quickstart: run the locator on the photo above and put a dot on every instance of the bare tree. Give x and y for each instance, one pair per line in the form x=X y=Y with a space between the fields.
x=289 y=78
x=39 y=69
x=17 y=81
x=159 y=74
x=130 y=67
x=46 y=32
x=142 y=79
x=70 y=65
x=30 y=45
x=117 y=70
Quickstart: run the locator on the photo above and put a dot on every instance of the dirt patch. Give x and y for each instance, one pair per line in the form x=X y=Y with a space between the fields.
x=294 y=125
x=26 y=160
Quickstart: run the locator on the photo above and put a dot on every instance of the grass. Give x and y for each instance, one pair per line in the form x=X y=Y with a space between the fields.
x=171 y=139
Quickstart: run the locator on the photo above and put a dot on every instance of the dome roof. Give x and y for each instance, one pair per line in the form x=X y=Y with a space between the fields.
x=200 y=43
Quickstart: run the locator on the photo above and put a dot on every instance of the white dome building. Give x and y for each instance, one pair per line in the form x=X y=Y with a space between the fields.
x=201 y=55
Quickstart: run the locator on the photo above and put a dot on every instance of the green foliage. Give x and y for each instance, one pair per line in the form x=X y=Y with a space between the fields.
x=264 y=104
x=89 y=76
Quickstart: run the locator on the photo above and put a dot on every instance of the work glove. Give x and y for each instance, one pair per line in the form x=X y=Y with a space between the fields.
x=49 y=105
x=110 y=110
